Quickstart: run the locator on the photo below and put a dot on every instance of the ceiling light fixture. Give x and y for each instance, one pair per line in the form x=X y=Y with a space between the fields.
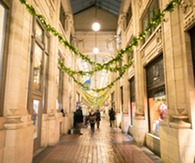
x=95 y=50
x=96 y=26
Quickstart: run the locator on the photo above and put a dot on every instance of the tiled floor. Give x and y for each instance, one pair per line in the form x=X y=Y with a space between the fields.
x=106 y=145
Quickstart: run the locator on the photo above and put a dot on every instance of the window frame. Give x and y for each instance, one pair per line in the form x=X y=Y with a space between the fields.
x=44 y=72
x=156 y=94
x=6 y=5
x=60 y=84
x=148 y=17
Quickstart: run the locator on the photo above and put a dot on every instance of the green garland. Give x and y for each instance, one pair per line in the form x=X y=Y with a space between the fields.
x=156 y=20
x=97 y=66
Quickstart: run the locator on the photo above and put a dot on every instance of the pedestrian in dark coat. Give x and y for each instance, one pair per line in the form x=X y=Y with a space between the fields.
x=98 y=118
x=92 y=120
x=112 y=117
x=78 y=118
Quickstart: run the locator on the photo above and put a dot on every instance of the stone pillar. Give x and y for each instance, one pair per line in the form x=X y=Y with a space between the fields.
x=140 y=123
x=18 y=146
x=176 y=133
x=53 y=125
x=126 y=96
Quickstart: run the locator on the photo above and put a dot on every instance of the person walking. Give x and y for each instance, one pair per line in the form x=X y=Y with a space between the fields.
x=98 y=118
x=92 y=120
x=109 y=116
x=112 y=117
x=78 y=120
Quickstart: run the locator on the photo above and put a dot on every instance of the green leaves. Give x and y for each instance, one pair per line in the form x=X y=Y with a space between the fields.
x=111 y=64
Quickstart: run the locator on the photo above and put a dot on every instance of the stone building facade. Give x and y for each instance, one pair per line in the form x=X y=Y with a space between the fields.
x=33 y=88
x=157 y=93
x=158 y=90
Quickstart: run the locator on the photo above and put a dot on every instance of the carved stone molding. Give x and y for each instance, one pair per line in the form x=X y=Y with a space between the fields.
x=180 y=121
x=122 y=22
x=13 y=122
x=139 y=115
x=186 y=5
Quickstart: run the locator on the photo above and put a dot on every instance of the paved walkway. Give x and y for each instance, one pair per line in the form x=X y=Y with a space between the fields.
x=105 y=145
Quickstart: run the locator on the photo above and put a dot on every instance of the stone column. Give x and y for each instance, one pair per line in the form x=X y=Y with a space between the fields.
x=18 y=126
x=140 y=122
x=53 y=131
x=126 y=97
x=140 y=127
x=176 y=135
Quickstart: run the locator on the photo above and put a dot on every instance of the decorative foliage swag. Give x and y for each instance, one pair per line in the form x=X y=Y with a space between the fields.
x=111 y=65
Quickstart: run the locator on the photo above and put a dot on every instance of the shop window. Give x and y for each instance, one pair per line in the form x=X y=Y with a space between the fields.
x=132 y=99
x=3 y=14
x=157 y=105
x=149 y=14
x=36 y=110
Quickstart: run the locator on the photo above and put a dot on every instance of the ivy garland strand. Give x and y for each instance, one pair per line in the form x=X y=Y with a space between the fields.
x=156 y=20
x=110 y=65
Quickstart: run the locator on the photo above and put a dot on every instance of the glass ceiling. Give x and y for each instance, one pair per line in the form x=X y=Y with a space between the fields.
x=112 y=6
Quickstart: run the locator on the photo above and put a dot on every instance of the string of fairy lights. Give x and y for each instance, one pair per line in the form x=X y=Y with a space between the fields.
x=111 y=65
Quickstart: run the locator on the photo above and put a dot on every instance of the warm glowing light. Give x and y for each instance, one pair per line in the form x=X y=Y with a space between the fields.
x=95 y=94
x=96 y=26
x=95 y=50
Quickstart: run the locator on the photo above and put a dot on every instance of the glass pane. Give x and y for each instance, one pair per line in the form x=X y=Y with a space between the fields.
x=46 y=82
x=145 y=24
x=39 y=32
x=2 y=35
x=36 y=107
x=37 y=59
x=153 y=10
x=158 y=108
x=47 y=43
x=59 y=89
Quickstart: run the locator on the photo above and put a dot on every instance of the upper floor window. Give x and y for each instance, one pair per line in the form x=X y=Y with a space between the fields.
x=129 y=15
x=62 y=16
x=149 y=14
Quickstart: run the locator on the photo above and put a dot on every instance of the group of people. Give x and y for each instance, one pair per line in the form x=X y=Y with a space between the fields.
x=93 y=118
